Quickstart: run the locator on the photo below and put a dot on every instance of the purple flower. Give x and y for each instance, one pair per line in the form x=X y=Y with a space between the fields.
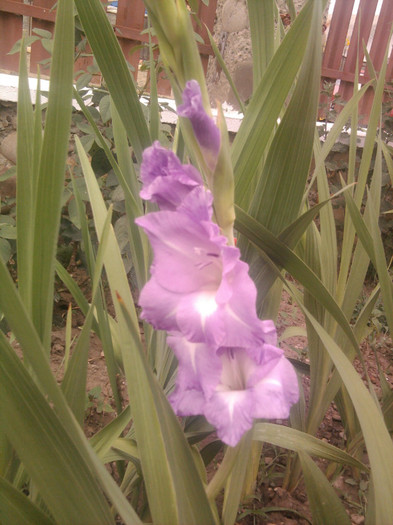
x=205 y=130
x=231 y=387
x=230 y=369
x=198 y=286
x=165 y=179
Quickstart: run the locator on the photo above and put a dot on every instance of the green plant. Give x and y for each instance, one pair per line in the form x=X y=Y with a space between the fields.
x=95 y=401
x=277 y=234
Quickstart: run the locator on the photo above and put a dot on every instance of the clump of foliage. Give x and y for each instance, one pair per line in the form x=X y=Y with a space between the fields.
x=280 y=239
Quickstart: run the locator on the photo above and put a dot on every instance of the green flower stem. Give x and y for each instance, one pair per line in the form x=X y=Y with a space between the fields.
x=223 y=472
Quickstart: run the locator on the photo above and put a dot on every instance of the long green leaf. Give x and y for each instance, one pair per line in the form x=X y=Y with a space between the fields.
x=223 y=66
x=326 y=506
x=35 y=353
x=262 y=29
x=286 y=258
x=380 y=263
x=279 y=193
x=116 y=73
x=364 y=168
x=266 y=106
x=235 y=482
x=75 y=378
x=24 y=201
x=51 y=171
x=378 y=442
x=51 y=458
x=292 y=439
x=163 y=449
x=114 y=266
x=18 y=509
x=101 y=324
x=104 y=439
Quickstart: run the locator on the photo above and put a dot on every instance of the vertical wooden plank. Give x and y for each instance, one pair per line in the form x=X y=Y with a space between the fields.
x=389 y=70
x=382 y=32
x=207 y=15
x=38 y=53
x=130 y=14
x=361 y=32
x=377 y=52
x=333 y=53
x=337 y=34
x=11 y=29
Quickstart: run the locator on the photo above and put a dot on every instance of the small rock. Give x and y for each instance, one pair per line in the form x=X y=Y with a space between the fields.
x=336 y=416
x=8 y=186
x=357 y=519
x=234 y=16
x=8 y=147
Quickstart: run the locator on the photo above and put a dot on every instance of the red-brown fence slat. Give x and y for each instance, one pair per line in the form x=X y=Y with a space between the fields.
x=130 y=21
x=377 y=53
x=364 y=19
x=206 y=15
x=337 y=35
x=38 y=52
x=335 y=43
x=382 y=33
x=11 y=29
x=339 y=61
x=130 y=16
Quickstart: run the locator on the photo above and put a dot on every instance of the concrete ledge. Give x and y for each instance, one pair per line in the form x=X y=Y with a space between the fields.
x=9 y=93
x=9 y=87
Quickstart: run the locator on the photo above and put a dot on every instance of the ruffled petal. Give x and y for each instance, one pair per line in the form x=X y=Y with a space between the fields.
x=185 y=259
x=231 y=413
x=276 y=392
x=158 y=306
x=195 y=370
x=188 y=402
x=165 y=180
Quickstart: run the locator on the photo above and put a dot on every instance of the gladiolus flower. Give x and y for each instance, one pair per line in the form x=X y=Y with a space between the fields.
x=230 y=369
x=232 y=386
x=198 y=286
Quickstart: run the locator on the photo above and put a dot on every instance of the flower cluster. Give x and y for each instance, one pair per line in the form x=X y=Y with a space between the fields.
x=230 y=369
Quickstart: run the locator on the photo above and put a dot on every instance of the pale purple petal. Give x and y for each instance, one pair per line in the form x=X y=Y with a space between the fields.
x=185 y=258
x=158 y=306
x=223 y=313
x=199 y=363
x=164 y=179
x=215 y=296
x=269 y=332
x=231 y=413
x=247 y=390
x=195 y=362
x=187 y=402
x=276 y=392
x=198 y=204
x=206 y=131
x=230 y=388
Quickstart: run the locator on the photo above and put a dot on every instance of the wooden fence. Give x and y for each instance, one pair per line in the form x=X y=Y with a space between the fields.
x=128 y=23
x=339 y=60
x=372 y=25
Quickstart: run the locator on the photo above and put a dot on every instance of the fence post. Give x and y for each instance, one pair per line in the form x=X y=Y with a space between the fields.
x=11 y=29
